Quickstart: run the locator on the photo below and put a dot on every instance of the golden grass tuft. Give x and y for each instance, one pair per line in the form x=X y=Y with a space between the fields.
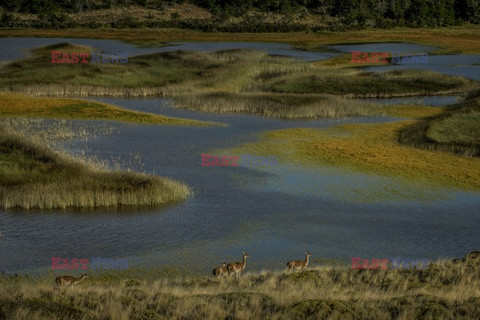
x=412 y=111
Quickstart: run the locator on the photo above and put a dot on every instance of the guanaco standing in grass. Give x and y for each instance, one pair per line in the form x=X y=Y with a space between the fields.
x=220 y=271
x=299 y=264
x=69 y=280
x=237 y=267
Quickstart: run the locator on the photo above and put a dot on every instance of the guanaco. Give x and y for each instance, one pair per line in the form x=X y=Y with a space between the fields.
x=299 y=264
x=220 y=271
x=237 y=267
x=69 y=280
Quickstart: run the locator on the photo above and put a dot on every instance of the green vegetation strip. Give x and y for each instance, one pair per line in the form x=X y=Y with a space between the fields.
x=16 y=105
x=34 y=177
x=445 y=290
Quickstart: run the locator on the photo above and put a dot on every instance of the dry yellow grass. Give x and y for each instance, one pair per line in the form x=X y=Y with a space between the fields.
x=12 y=104
x=413 y=112
x=16 y=103
x=342 y=60
x=446 y=290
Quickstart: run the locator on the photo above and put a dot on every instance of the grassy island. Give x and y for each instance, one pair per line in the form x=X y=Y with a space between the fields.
x=34 y=177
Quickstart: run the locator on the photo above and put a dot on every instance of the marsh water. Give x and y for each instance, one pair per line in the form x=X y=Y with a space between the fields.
x=15 y=48
x=274 y=213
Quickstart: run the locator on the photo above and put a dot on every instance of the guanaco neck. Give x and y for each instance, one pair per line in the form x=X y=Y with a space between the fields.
x=244 y=261
x=306 y=259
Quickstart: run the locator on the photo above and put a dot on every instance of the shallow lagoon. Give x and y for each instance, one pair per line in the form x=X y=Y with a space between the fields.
x=16 y=48
x=456 y=64
x=274 y=213
x=462 y=65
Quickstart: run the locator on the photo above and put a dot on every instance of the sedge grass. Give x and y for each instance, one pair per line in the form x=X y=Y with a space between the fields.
x=293 y=106
x=146 y=72
x=357 y=83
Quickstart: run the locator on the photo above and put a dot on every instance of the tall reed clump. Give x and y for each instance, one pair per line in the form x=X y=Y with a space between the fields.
x=34 y=177
x=363 y=84
x=445 y=290
x=277 y=105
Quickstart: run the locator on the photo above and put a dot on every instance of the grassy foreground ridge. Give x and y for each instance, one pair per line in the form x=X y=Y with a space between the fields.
x=34 y=177
x=446 y=290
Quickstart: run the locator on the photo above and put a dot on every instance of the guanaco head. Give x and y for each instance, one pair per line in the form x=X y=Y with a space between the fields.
x=308 y=254
x=224 y=264
x=245 y=254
